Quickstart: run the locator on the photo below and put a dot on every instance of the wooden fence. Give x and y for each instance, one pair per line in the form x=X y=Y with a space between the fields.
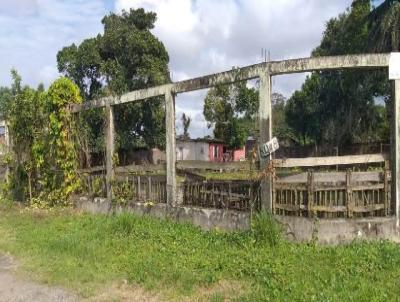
x=330 y=195
x=233 y=195
x=93 y=183
x=150 y=188
x=185 y=165
x=137 y=188
x=310 y=194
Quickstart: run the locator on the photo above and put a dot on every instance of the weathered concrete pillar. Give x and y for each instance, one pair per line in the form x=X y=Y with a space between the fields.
x=395 y=148
x=110 y=149
x=170 y=146
x=8 y=148
x=265 y=116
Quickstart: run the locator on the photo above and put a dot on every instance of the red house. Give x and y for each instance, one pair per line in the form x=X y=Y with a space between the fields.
x=215 y=151
x=207 y=149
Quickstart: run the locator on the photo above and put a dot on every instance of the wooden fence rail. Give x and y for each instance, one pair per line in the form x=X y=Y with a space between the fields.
x=330 y=160
x=150 y=188
x=94 y=183
x=182 y=165
x=143 y=188
x=312 y=194
x=233 y=195
x=329 y=195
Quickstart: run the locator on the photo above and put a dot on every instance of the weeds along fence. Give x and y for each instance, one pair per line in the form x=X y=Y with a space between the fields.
x=334 y=194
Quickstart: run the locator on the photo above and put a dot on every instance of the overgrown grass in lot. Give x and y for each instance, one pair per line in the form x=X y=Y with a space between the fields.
x=86 y=252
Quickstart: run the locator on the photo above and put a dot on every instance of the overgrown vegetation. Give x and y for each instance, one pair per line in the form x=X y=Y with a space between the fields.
x=44 y=158
x=266 y=230
x=86 y=252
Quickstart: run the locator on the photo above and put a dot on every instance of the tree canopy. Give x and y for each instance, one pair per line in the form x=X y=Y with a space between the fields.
x=232 y=111
x=126 y=57
x=340 y=107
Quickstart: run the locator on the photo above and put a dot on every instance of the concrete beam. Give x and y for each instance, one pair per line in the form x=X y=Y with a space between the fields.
x=170 y=147
x=247 y=73
x=110 y=149
x=134 y=96
x=284 y=67
x=329 y=63
x=225 y=77
x=395 y=149
x=265 y=120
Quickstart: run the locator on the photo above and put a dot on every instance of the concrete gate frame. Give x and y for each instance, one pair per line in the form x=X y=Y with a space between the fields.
x=264 y=72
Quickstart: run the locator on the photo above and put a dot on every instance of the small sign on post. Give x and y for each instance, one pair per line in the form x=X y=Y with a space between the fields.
x=268 y=148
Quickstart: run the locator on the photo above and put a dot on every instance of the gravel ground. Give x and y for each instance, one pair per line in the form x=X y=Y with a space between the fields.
x=14 y=289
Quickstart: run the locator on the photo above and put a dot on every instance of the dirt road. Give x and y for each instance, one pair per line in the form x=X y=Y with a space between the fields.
x=13 y=289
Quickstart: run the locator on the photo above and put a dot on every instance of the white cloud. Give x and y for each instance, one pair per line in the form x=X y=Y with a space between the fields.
x=48 y=73
x=207 y=36
x=33 y=31
x=212 y=35
x=18 y=7
x=201 y=36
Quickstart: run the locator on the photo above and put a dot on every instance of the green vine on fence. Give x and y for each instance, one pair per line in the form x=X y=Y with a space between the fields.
x=44 y=156
x=60 y=173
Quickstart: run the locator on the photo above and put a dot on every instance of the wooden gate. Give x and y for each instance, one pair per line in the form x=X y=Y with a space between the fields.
x=334 y=194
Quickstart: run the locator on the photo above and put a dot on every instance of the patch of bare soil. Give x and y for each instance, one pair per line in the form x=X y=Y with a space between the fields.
x=228 y=290
x=125 y=292
x=13 y=289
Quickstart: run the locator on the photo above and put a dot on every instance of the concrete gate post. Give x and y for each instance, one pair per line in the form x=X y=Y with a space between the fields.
x=110 y=149
x=265 y=120
x=170 y=146
x=395 y=149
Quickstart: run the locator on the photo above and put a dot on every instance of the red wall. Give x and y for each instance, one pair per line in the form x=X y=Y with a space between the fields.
x=239 y=154
x=220 y=152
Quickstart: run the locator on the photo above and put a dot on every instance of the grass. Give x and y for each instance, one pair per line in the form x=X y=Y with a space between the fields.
x=86 y=252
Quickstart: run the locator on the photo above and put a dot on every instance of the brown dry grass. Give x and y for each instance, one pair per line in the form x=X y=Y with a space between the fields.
x=225 y=290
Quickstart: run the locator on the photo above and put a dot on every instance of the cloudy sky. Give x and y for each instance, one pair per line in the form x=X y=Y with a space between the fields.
x=201 y=36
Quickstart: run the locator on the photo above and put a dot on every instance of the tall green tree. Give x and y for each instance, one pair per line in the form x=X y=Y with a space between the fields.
x=341 y=107
x=280 y=127
x=24 y=112
x=230 y=110
x=126 y=57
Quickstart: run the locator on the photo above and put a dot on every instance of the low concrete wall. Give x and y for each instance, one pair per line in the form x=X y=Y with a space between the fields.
x=207 y=219
x=337 y=231
x=299 y=229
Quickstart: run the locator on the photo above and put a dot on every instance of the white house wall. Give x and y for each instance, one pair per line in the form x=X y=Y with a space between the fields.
x=190 y=150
